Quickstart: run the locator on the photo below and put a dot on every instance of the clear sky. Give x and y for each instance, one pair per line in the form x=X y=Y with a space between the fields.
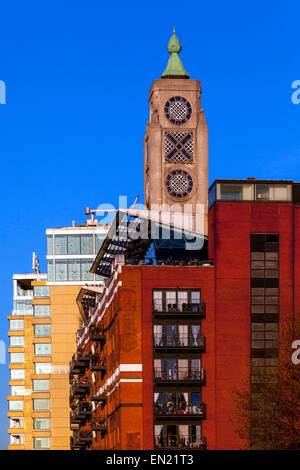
x=77 y=77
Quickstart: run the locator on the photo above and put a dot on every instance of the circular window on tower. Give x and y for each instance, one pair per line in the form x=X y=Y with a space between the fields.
x=178 y=110
x=179 y=183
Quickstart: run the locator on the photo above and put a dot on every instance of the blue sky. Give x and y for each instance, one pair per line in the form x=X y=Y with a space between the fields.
x=77 y=77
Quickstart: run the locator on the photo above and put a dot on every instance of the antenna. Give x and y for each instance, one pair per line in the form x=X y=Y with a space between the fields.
x=35 y=263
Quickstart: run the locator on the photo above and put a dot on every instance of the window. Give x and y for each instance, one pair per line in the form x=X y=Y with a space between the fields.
x=16 y=423
x=99 y=239
x=23 y=307
x=61 y=270
x=16 y=340
x=50 y=276
x=41 y=424
x=40 y=349
x=264 y=369
x=85 y=268
x=42 y=442
x=16 y=439
x=41 y=291
x=15 y=405
x=86 y=244
x=264 y=335
x=60 y=244
x=17 y=374
x=231 y=192
x=49 y=244
x=176 y=300
x=42 y=330
x=74 y=270
x=74 y=244
x=17 y=390
x=42 y=367
x=41 y=404
x=16 y=357
x=41 y=385
x=16 y=324
x=42 y=310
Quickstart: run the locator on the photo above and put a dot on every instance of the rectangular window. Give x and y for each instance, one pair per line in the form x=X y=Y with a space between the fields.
x=99 y=239
x=42 y=442
x=41 y=291
x=41 y=404
x=17 y=390
x=50 y=272
x=17 y=374
x=42 y=349
x=49 y=244
x=41 y=424
x=15 y=405
x=86 y=244
x=42 y=367
x=85 y=268
x=264 y=335
x=16 y=439
x=16 y=423
x=42 y=310
x=73 y=244
x=23 y=307
x=42 y=330
x=231 y=192
x=61 y=270
x=41 y=385
x=16 y=324
x=16 y=358
x=74 y=270
x=60 y=244
x=16 y=340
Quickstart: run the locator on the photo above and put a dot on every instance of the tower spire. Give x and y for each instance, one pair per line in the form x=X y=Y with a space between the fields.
x=174 y=67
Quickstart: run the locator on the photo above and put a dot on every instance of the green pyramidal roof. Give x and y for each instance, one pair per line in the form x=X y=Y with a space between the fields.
x=174 y=67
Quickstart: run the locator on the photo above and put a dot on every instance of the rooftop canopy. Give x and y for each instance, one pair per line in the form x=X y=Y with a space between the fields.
x=145 y=237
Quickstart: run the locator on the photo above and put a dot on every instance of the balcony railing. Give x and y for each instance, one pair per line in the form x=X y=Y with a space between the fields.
x=174 y=411
x=181 y=309
x=81 y=412
x=97 y=364
x=80 y=387
x=179 y=342
x=79 y=362
x=98 y=425
x=175 y=442
x=96 y=333
x=80 y=440
x=182 y=374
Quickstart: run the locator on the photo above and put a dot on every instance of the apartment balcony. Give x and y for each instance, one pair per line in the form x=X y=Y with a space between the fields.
x=80 y=387
x=181 y=343
x=79 y=363
x=193 y=310
x=99 y=398
x=97 y=334
x=97 y=364
x=178 y=442
x=175 y=412
x=81 y=412
x=99 y=426
x=181 y=376
x=80 y=440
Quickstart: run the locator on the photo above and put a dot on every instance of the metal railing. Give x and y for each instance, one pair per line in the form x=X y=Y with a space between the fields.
x=169 y=307
x=180 y=341
x=175 y=409
x=175 y=442
x=181 y=374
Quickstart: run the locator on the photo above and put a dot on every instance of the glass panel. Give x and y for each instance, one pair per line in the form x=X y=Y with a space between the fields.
x=86 y=243
x=74 y=244
x=41 y=291
x=85 y=268
x=41 y=385
x=60 y=244
x=17 y=374
x=61 y=272
x=42 y=442
x=23 y=307
x=99 y=239
x=41 y=423
x=50 y=275
x=262 y=191
x=40 y=349
x=171 y=300
x=49 y=244
x=42 y=330
x=43 y=367
x=41 y=404
x=17 y=390
x=16 y=341
x=41 y=310
x=231 y=192
x=16 y=324
x=16 y=357
x=17 y=439
x=15 y=405
x=74 y=270
x=157 y=301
